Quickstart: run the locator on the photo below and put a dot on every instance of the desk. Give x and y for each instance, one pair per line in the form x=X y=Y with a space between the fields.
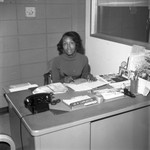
x=117 y=125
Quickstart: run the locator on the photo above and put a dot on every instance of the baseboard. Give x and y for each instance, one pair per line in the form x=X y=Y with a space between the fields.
x=3 y=110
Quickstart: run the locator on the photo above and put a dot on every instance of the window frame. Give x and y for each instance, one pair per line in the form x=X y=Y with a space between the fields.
x=93 y=32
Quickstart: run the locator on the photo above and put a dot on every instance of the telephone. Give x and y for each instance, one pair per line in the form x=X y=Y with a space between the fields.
x=38 y=102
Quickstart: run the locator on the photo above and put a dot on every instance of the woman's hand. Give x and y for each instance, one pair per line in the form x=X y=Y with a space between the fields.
x=90 y=77
x=68 y=79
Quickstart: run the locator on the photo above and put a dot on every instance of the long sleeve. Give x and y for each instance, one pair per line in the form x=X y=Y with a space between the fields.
x=55 y=71
x=86 y=71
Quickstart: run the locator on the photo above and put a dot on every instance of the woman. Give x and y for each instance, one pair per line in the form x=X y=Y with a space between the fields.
x=71 y=64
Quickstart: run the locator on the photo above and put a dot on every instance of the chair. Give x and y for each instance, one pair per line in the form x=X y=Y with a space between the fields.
x=48 y=74
x=6 y=142
x=48 y=77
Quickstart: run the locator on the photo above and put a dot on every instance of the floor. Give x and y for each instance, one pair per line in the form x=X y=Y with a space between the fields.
x=4 y=123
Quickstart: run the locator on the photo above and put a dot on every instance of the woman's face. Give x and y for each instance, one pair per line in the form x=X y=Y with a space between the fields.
x=69 y=46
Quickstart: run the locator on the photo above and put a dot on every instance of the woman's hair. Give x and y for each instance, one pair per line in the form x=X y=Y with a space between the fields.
x=75 y=37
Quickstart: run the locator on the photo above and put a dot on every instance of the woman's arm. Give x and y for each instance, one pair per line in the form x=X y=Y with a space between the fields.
x=86 y=73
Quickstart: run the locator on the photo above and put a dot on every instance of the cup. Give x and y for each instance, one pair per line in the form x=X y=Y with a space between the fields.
x=134 y=86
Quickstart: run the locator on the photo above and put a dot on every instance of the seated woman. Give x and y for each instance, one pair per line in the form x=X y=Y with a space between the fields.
x=71 y=64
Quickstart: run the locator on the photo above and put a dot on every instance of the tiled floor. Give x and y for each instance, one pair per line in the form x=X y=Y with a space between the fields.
x=4 y=124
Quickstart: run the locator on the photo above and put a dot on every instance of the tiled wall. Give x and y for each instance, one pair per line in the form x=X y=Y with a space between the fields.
x=26 y=44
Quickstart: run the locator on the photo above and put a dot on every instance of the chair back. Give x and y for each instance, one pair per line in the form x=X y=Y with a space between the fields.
x=48 y=74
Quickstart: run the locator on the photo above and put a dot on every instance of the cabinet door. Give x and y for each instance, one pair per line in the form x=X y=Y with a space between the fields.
x=128 y=131
x=73 y=138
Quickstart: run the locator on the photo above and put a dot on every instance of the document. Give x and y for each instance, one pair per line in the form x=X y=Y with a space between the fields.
x=55 y=88
x=21 y=87
x=88 y=85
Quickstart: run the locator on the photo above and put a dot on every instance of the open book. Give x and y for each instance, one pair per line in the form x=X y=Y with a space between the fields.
x=88 y=85
x=53 y=87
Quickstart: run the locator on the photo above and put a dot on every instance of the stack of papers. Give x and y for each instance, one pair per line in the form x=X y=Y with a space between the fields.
x=109 y=94
x=56 y=88
x=21 y=87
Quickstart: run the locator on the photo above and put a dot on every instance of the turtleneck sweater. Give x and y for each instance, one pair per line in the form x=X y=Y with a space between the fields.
x=75 y=66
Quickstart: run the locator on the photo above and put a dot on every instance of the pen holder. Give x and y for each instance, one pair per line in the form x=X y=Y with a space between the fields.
x=134 y=86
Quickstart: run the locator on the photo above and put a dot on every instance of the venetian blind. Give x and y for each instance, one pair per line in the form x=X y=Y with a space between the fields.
x=123 y=2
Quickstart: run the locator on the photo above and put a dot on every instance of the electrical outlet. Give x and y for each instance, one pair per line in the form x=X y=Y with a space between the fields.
x=30 y=12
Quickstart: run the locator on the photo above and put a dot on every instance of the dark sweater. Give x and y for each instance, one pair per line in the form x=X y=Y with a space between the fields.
x=76 y=66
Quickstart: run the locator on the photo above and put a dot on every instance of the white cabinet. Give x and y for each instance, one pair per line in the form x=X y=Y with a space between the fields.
x=73 y=138
x=127 y=131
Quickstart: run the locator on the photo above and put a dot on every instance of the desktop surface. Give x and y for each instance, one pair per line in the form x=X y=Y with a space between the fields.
x=58 y=118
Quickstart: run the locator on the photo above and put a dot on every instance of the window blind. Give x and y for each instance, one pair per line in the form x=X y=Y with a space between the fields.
x=123 y=2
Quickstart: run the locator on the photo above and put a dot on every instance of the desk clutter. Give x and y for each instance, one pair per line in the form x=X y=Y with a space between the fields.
x=108 y=87
x=83 y=94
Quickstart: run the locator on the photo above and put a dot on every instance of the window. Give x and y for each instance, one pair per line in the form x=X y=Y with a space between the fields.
x=125 y=21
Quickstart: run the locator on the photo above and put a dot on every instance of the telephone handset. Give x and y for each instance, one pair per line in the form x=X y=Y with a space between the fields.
x=38 y=102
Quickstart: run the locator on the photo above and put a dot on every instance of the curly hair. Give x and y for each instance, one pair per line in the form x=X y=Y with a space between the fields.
x=75 y=37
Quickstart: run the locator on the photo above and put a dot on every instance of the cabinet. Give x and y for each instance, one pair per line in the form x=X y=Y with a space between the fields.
x=72 y=138
x=127 y=131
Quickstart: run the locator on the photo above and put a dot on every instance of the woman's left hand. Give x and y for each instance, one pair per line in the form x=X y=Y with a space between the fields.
x=90 y=77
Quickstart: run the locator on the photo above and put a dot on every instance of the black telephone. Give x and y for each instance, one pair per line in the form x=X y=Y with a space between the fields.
x=38 y=102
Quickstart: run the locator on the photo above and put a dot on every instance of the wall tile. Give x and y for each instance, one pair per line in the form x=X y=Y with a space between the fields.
x=58 y=11
x=33 y=70
x=9 y=2
x=31 y=26
x=9 y=73
x=7 y=11
x=29 y=1
x=8 y=28
x=81 y=11
x=9 y=59
x=33 y=56
x=59 y=1
x=40 y=11
x=52 y=52
x=53 y=39
x=37 y=80
x=58 y=25
x=8 y=44
x=32 y=41
x=81 y=1
x=80 y=24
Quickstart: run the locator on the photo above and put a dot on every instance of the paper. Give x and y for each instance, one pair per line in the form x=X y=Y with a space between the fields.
x=56 y=88
x=20 y=87
x=86 y=85
x=143 y=86
x=109 y=94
